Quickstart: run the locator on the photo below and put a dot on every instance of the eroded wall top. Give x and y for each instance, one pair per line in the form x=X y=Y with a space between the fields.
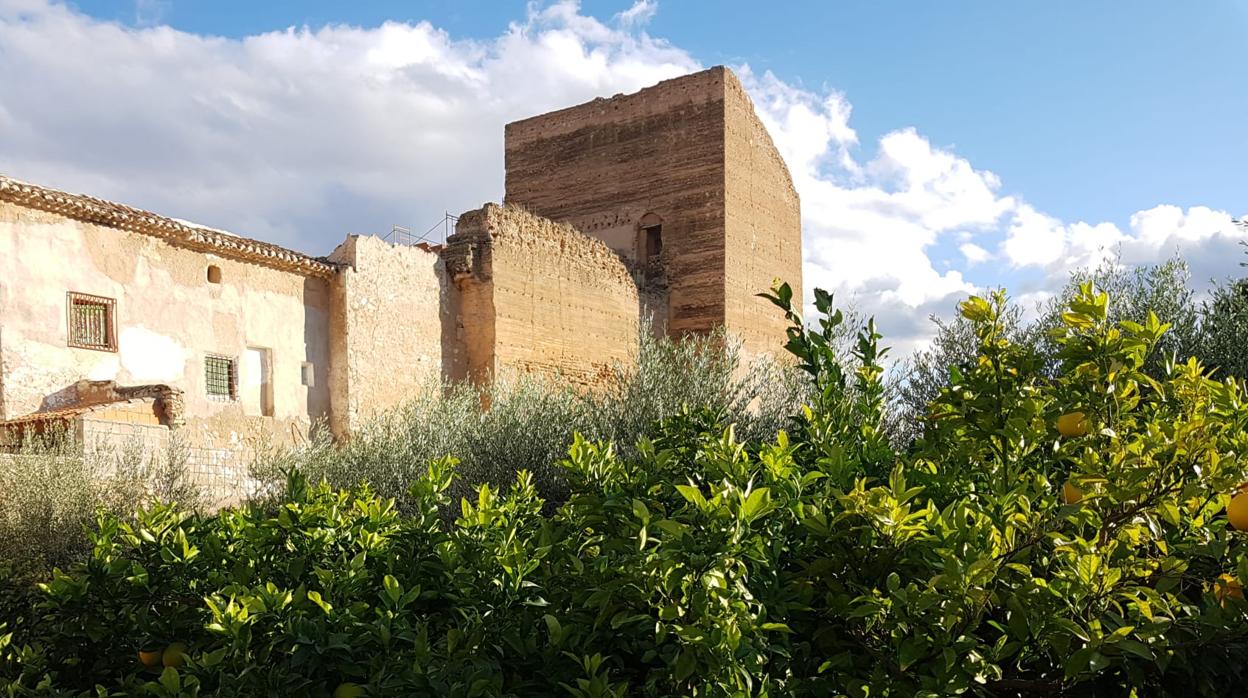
x=538 y=297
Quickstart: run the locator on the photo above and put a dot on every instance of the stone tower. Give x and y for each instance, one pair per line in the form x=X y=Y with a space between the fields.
x=683 y=181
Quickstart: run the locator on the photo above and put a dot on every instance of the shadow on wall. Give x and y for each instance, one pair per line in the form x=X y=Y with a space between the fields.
x=452 y=330
x=59 y=400
x=314 y=369
x=4 y=413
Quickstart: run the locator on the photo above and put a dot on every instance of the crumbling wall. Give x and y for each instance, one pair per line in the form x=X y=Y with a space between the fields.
x=385 y=329
x=603 y=165
x=763 y=226
x=538 y=297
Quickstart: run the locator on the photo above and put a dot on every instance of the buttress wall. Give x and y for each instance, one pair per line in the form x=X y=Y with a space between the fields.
x=386 y=328
x=604 y=165
x=534 y=296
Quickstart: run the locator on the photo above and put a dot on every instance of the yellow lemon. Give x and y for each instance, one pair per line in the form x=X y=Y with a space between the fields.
x=1237 y=511
x=347 y=689
x=1070 y=493
x=150 y=658
x=1072 y=424
x=174 y=655
x=1228 y=587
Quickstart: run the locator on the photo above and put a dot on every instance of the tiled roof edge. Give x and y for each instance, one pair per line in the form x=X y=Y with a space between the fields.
x=100 y=212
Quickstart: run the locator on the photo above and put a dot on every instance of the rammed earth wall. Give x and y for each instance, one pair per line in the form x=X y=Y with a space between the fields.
x=691 y=154
x=386 y=327
x=538 y=297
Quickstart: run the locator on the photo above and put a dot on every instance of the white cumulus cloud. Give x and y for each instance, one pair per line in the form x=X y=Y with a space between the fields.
x=302 y=135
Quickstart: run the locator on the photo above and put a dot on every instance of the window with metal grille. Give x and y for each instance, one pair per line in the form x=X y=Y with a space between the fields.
x=220 y=377
x=91 y=322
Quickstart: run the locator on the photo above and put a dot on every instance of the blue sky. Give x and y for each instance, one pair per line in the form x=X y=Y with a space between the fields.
x=990 y=143
x=1092 y=109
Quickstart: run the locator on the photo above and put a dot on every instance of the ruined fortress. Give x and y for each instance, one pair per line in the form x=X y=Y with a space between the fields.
x=670 y=204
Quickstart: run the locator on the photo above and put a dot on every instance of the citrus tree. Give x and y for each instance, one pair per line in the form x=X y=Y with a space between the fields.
x=1077 y=533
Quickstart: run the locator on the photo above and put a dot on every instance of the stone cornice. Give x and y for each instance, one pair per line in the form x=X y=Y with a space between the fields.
x=100 y=212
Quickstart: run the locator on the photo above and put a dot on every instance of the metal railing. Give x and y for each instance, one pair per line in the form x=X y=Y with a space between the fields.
x=402 y=235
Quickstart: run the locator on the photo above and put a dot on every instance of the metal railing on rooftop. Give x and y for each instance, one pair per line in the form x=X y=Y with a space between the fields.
x=402 y=235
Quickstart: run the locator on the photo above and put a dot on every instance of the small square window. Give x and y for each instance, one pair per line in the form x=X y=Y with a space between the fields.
x=221 y=377
x=92 y=322
x=308 y=374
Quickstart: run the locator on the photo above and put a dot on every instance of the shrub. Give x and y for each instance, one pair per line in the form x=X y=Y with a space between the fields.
x=820 y=563
x=1225 y=329
x=530 y=423
x=51 y=488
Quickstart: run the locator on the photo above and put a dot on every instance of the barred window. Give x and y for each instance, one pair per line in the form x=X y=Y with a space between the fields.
x=221 y=377
x=92 y=322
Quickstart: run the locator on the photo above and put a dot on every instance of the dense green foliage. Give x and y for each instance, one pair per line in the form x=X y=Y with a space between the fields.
x=816 y=562
x=531 y=423
x=1214 y=329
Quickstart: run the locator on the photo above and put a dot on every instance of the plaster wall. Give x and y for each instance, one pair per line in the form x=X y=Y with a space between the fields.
x=386 y=327
x=602 y=165
x=763 y=226
x=538 y=297
x=168 y=317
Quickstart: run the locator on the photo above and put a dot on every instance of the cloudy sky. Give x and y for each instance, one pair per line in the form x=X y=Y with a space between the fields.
x=937 y=150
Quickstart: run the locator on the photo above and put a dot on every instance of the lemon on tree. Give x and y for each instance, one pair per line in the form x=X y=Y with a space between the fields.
x=174 y=655
x=1072 y=424
x=346 y=689
x=1237 y=510
x=1070 y=493
x=150 y=658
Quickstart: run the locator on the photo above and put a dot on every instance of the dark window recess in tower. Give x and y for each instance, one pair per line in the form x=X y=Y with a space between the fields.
x=651 y=237
x=654 y=241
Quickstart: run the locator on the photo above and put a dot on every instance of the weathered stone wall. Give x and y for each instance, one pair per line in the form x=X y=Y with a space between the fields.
x=603 y=165
x=168 y=316
x=538 y=297
x=386 y=327
x=763 y=226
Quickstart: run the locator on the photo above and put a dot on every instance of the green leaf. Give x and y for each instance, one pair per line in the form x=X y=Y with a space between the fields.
x=641 y=511
x=554 y=628
x=686 y=662
x=776 y=627
x=692 y=495
x=315 y=597
x=911 y=650
x=170 y=680
x=975 y=309
x=757 y=504
x=1136 y=648
x=394 y=591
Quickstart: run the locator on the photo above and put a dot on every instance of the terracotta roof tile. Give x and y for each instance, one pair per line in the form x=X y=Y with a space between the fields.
x=177 y=232
x=62 y=415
